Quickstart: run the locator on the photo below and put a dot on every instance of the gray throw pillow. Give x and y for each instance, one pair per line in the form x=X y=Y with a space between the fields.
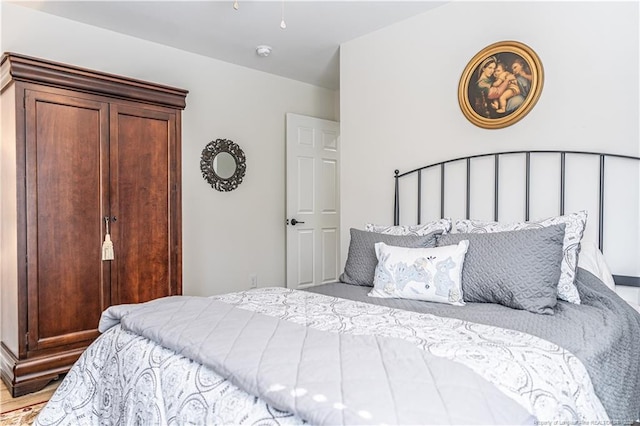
x=362 y=261
x=518 y=269
x=574 y=229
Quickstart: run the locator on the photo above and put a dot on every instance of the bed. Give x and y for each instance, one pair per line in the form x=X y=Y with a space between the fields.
x=416 y=332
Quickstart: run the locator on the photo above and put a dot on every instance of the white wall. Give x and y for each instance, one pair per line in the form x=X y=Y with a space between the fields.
x=399 y=86
x=226 y=236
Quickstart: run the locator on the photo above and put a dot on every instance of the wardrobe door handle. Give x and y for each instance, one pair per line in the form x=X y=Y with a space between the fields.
x=107 y=245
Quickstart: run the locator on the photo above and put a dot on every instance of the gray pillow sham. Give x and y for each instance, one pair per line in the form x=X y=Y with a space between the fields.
x=518 y=269
x=362 y=261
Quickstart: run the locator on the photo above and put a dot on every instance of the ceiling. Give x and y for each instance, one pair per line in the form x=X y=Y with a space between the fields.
x=307 y=50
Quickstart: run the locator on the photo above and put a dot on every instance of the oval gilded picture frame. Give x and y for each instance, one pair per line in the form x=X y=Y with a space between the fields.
x=500 y=85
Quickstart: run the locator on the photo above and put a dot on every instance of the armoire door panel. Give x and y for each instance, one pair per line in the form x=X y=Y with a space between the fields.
x=67 y=157
x=143 y=144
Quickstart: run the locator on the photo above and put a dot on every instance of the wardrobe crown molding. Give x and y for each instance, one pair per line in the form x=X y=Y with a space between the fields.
x=17 y=67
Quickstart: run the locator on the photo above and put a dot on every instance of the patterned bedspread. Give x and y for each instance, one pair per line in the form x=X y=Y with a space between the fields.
x=125 y=378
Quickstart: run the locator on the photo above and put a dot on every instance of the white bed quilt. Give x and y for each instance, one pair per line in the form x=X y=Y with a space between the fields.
x=125 y=378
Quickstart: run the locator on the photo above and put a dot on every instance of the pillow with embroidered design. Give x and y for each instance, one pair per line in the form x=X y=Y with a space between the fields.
x=443 y=225
x=428 y=274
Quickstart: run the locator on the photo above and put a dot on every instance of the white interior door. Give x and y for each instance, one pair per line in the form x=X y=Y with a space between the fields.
x=313 y=201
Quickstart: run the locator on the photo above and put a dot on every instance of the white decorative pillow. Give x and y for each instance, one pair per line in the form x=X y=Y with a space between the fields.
x=574 y=229
x=592 y=260
x=429 y=274
x=443 y=225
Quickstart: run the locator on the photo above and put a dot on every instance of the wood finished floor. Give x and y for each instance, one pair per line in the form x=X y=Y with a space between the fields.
x=8 y=403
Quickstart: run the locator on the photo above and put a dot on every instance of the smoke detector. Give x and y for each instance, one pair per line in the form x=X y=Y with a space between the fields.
x=263 y=50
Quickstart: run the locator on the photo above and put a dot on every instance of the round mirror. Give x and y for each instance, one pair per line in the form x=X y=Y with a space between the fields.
x=223 y=164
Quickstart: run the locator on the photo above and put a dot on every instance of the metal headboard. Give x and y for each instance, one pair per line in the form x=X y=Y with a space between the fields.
x=619 y=279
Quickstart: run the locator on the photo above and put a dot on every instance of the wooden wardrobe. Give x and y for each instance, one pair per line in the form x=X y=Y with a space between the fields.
x=81 y=150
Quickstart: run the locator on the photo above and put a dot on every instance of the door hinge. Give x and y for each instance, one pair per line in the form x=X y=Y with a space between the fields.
x=26 y=340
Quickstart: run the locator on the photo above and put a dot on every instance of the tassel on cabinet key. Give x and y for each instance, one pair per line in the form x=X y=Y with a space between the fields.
x=107 y=245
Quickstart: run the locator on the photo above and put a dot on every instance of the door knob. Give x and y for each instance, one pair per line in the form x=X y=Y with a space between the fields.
x=294 y=222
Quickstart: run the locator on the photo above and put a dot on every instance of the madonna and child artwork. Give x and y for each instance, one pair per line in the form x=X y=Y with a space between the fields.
x=500 y=84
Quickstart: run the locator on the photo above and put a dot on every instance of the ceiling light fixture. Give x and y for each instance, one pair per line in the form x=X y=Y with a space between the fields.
x=263 y=50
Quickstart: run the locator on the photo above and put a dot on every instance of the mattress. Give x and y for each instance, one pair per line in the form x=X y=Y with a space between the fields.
x=603 y=332
x=578 y=365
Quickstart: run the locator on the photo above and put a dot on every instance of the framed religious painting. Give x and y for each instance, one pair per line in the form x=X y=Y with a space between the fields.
x=500 y=85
